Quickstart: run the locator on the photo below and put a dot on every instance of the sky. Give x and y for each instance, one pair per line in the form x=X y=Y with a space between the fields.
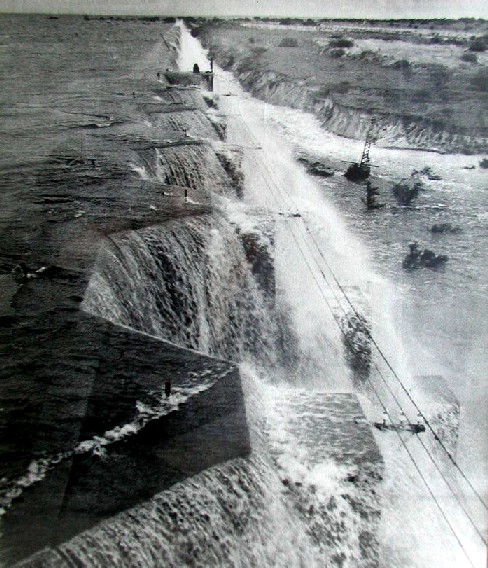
x=296 y=8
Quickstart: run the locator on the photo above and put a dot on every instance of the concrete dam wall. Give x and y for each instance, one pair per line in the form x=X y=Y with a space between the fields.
x=129 y=435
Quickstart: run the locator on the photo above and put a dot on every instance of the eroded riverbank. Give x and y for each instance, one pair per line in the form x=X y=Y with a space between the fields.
x=414 y=81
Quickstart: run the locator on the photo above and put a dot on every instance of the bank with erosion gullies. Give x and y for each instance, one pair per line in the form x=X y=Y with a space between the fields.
x=128 y=300
x=424 y=83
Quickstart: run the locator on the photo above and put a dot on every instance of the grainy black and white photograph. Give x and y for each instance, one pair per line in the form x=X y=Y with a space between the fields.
x=243 y=284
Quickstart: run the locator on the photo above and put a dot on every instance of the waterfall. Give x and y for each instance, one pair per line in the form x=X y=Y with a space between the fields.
x=242 y=283
x=187 y=282
x=245 y=512
x=305 y=284
x=229 y=284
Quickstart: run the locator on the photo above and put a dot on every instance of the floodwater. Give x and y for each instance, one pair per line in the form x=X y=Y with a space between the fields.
x=426 y=323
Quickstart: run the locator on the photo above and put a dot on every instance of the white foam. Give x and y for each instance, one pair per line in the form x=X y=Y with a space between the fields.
x=96 y=446
x=141 y=170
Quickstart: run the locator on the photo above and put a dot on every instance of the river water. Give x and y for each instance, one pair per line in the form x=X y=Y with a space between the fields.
x=425 y=322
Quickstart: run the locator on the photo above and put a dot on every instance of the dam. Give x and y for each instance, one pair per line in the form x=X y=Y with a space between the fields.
x=172 y=255
x=148 y=268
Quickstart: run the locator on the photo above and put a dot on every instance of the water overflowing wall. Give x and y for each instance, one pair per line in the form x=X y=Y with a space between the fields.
x=403 y=487
x=188 y=282
x=280 y=506
x=193 y=166
x=154 y=479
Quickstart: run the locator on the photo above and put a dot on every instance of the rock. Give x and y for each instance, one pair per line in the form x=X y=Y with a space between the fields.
x=445 y=228
x=357 y=345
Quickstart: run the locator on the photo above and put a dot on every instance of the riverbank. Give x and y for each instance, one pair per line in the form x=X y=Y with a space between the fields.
x=421 y=83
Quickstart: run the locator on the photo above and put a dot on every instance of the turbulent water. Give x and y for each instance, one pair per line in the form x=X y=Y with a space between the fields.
x=427 y=323
x=188 y=283
x=199 y=283
x=198 y=291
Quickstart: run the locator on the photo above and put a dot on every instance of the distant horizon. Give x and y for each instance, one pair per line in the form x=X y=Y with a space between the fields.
x=306 y=9
x=240 y=17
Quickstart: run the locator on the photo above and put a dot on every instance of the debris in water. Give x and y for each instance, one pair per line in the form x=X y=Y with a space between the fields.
x=427 y=258
x=427 y=172
x=315 y=167
x=445 y=228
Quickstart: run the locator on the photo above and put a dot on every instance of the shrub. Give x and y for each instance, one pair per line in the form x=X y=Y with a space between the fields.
x=341 y=42
x=403 y=65
x=422 y=95
x=252 y=40
x=337 y=52
x=484 y=163
x=469 y=57
x=343 y=87
x=439 y=74
x=288 y=42
x=405 y=191
x=368 y=54
x=257 y=51
x=478 y=45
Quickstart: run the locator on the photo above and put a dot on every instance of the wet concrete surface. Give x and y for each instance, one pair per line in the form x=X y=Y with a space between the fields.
x=78 y=164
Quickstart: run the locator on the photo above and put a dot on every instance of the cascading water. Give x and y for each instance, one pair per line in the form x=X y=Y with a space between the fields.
x=188 y=283
x=208 y=283
x=271 y=181
x=239 y=513
x=191 y=283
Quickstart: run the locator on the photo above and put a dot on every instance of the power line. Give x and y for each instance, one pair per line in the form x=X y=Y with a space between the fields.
x=380 y=351
x=384 y=380
x=434 y=498
x=385 y=359
x=395 y=398
x=451 y=528
x=446 y=481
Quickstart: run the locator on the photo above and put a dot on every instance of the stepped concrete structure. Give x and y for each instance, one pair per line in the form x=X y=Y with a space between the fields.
x=97 y=418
